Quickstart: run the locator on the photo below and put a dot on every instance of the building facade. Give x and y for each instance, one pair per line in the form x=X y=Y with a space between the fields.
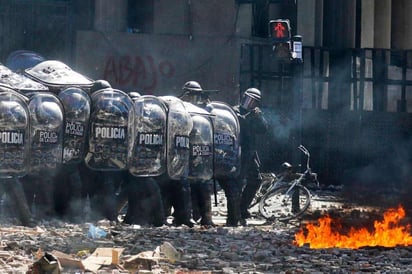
x=350 y=103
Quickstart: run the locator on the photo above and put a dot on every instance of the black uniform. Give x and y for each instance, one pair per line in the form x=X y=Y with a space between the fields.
x=232 y=191
x=252 y=124
x=145 y=206
x=200 y=205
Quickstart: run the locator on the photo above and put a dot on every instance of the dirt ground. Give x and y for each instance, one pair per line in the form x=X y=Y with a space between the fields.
x=259 y=247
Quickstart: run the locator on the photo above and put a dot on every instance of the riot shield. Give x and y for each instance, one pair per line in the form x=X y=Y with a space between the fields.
x=201 y=144
x=148 y=153
x=14 y=134
x=77 y=104
x=179 y=126
x=111 y=130
x=19 y=82
x=226 y=140
x=19 y=60
x=57 y=76
x=46 y=130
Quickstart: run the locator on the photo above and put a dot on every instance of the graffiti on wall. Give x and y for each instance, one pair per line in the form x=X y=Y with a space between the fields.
x=141 y=72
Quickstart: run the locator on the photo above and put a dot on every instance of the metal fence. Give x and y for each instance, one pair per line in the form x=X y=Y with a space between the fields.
x=353 y=110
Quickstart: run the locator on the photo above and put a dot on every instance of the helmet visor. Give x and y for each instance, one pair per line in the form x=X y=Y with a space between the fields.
x=249 y=102
x=191 y=97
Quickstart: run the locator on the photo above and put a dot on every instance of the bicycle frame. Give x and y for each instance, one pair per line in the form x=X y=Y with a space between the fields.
x=287 y=197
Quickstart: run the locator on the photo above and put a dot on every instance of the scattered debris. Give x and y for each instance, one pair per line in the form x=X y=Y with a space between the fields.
x=63 y=247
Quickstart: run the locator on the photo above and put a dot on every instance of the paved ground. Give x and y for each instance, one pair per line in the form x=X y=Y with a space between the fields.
x=322 y=201
x=333 y=200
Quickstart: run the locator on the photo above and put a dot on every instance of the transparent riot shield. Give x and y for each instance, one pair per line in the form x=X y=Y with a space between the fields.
x=46 y=130
x=77 y=104
x=111 y=130
x=148 y=153
x=226 y=140
x=20 y=60
x=19 y=82
x=201 y=144
x=14 y=134
x=179 y=126
x=57 y=76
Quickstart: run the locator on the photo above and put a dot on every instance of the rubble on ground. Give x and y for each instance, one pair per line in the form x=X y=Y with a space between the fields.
x=256 y=248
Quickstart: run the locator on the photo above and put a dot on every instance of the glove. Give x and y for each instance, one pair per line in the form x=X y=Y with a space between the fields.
x=257 y=111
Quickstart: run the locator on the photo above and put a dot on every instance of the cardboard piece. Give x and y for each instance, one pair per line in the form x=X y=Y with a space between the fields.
x=67 y=261
x=101 y=257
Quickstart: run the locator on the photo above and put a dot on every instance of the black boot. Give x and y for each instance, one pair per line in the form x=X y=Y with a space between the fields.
x=182 y=204
x=233 y=211
x=15 y=190
x=247 y=196
x=232 y=193
x=205 y=206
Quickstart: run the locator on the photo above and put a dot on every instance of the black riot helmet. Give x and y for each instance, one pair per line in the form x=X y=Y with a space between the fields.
x=193 y=93
x=251 y=98
x=134 y=95
x=192 y=87
x=98 y=85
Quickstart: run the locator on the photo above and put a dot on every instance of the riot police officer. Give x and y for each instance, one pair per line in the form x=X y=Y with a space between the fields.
x=200 y=191
x=252 y=124
x=101 y=184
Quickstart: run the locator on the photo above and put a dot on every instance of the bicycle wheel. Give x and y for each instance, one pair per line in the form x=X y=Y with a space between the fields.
x=284 y=204
x=254 y=202
x=265 y=185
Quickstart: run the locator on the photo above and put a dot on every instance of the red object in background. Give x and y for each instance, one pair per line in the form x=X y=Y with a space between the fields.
x=279 y=30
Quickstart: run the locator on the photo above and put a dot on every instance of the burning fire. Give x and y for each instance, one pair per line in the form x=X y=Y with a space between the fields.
x=387 y=233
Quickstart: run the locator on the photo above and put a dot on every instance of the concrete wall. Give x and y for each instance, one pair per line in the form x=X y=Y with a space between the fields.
x=108 y=17
x=191 y=40
x=204 y=18
x=160 y=64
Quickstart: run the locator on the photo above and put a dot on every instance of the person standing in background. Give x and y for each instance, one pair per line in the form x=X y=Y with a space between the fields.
x=252 y=126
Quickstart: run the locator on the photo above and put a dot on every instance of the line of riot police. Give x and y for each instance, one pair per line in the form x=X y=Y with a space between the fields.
x=66 y=139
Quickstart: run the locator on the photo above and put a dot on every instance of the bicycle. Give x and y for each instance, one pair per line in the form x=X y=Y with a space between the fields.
x=266 y=181
x=284 y=196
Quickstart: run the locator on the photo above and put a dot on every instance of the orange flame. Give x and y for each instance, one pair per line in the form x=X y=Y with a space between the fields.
x=386 y=233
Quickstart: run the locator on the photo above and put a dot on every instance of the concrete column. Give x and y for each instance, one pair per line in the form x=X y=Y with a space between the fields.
x=110 y=16
x=319 y=23
x=306 y=21
x=367 y=24
x=339 y=23
x=383 y=19
x=244 y=22
x=401 y=24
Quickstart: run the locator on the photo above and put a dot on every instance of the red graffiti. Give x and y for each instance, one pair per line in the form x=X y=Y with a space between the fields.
x=141 y=72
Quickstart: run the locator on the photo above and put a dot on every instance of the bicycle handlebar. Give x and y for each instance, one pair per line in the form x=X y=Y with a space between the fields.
x=304 y=150
x=257 y=159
